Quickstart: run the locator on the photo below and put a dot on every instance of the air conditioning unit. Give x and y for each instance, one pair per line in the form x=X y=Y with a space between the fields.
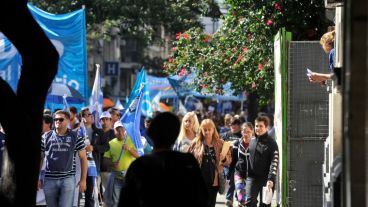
x=330 y=4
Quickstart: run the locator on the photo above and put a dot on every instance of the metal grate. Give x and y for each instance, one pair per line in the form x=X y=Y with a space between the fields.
x=306 y=172
x=307 y=124
x=307 y=102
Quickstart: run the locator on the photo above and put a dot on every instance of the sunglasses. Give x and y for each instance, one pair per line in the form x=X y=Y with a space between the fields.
x=59 y=119
x=87 y=115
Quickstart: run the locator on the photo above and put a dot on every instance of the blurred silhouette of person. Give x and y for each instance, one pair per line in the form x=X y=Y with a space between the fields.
x=165 y=177
x=39 y=67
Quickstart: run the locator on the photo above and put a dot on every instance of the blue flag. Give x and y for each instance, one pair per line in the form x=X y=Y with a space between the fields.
x=67 y=32
x=96 y=99
x=132 y=116
x=146 y=102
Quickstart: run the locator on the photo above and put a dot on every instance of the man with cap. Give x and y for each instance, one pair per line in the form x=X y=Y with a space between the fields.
x=115 y=115
x=107 y=135
x=121 y=154
x=233 y=135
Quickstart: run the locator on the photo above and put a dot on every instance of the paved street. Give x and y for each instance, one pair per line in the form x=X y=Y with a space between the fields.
x=221 y=201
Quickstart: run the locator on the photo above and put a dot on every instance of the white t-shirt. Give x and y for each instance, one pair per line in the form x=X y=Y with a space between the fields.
x=185 y=144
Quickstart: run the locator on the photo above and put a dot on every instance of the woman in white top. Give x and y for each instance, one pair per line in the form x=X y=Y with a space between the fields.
x=188 y=131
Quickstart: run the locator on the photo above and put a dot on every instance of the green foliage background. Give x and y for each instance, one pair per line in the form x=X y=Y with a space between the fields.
x=139 y=19
x=241 y=51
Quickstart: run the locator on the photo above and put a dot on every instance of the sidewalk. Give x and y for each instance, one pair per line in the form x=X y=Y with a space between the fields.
x=220 y=202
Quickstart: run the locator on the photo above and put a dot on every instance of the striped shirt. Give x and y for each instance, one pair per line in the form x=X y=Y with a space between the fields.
x=60 y=153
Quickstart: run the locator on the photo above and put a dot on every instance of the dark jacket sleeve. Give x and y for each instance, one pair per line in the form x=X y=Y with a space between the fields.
x=274 y=156
x=101 y=143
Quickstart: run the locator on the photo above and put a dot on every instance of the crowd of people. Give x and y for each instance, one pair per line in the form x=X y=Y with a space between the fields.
x=102 y=166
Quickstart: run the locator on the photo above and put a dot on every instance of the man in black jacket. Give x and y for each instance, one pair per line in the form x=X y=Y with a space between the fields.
x=264 y=157
x=97 y=145
x=164 y=178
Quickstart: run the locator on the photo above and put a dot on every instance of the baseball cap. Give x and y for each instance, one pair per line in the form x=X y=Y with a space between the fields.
x=105 y=114
x=118 y=124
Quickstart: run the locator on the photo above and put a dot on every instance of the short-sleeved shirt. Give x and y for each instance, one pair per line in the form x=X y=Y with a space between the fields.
x=331 y=60
x=183 y=145
x=60 y=153
x=126 y=158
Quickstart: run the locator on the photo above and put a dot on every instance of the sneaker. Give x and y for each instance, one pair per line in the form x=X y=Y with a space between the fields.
x=229 y=203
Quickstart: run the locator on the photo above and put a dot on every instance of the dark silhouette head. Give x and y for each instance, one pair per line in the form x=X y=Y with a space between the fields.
x=164 y=130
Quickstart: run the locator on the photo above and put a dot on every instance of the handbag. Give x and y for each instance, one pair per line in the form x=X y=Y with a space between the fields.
x=223 y=183
x=266 y=195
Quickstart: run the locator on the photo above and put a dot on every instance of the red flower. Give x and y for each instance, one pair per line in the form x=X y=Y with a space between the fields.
x=207 y=39
x=178 y=35
x=185 y=36
x=245 y=50
x=174 y=49
x=277 y=6
x=239 y=58
x=171 y=60
x=222 y=81
x=260 y=66
x=164 y=67
x=182 y=72
x=269 y=22
x=254 y=85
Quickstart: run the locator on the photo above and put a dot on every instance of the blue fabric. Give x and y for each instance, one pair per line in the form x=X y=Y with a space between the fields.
x=59 y=152
x=59 y=192
x=132 y=116
x=68 y=33
x=331 y=60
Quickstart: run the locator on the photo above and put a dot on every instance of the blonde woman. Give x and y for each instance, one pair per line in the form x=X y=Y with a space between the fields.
x=188 y=131
x=206 y=148
x=327 y=42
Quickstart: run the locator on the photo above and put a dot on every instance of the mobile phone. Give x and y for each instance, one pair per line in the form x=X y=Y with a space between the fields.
x=309 y=72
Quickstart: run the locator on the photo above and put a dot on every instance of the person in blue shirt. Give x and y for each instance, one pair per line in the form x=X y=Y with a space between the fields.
x=327 y=42
x=59 y=148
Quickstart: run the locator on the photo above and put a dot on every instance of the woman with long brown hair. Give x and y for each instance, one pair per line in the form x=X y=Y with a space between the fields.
x=206 y=148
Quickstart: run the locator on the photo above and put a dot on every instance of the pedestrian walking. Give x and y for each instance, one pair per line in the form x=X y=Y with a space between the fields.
x=233 y=136
x=59 y=148
x=165 y=177
x=241 y=167
x=206 y=148
x=108 y=134
x=121 y=154
x=95 y=146
x=264 y=158
x=188 y=131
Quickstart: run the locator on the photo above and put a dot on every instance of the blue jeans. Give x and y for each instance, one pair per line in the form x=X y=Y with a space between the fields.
x=59 y=192
x=112 y=193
